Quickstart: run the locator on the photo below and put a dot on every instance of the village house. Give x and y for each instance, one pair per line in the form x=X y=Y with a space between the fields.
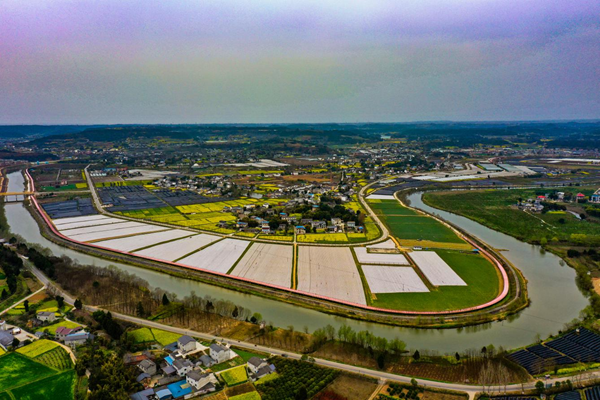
x=219 y=353
x=46 y=316
x=182 y=366
x=77 y=339
x=186 y=344
x=300 y=230
x=203 y=383
x=148 y=367
x=62 y=332
x=595 y=198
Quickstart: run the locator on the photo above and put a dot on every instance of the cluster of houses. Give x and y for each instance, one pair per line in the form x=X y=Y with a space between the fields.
x=72 y=337
x=185 y=372
x=535 y=205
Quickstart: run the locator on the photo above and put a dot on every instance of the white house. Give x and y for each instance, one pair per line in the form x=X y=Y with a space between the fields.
x=203 y=383
x=219 y=353
x=255 y=363
x=182 y=366
x=186 y=344
x=46 y=316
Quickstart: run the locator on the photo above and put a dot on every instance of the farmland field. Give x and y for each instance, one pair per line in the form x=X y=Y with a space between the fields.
x=277 y=237
x=382 y=279
x=128 y=244
x=493 y=209
x=164 y=338
x=94 y=235
x=142 y=335
x=38 y=347
x=246 y=396
x=57 y=358
x=365 y=257
x=55 y=387
x=16 y=370
x=92 y=222
x=323 y=238
x=435 y=269
x=330 y=272
x=405 y=223
x=235 y=376
x=269 y=263
x=173 y=250
x=481 y=277
x=292 y=376
x=86 y=218
x=218 y=257
x=148 y=335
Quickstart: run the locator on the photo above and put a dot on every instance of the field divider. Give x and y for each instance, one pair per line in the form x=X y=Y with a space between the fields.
x=239 y=258
x=163 y=242
x=363 y=279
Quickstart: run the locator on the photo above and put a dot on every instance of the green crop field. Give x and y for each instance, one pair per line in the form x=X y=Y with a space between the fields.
x=52 y=328
x=493 y=208
x=164 y=338
x=404 y=223
x=38 y=347
x=246 y=355
x=246 y=396
x=57 y=358
x=481 y=277
x=142 y=335
x=147 y=335
x=235 y=376
x=17 y=370
x=55 y=387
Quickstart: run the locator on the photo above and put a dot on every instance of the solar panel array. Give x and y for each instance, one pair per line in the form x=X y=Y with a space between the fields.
x=592 y=393
x=572 y=395
x=184 y=197
x=70 y=208
x=582 y=345
x=127 y=198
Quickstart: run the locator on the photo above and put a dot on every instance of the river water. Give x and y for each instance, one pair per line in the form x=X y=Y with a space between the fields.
x=555 y=297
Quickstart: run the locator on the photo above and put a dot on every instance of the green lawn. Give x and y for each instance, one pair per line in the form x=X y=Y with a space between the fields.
x=17 y=370
x=246 y=355
x=142 y=335
x=493 y=209
x=235 y=376
x=479 y=274
x=405 y=223
x=52 y=328
x=55 y=387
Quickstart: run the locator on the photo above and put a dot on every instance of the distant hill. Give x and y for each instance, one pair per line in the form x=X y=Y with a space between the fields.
x=26 y=131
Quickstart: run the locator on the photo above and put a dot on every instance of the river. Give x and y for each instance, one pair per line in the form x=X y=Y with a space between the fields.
x=555 y=297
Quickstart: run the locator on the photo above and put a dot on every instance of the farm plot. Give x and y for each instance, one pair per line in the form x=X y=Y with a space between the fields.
x=179 y=248
x=16 y=370
x=218 y=257
x=388 y=244
x=119 y=224
x=329 y=272
x=60 y=221
x=269 y=263
x=134 y=230
x=36 y=348
x=137 y=242
x=384 y=279
x=365 y=257
x=235 y=376
x=435 y=269
x=94 y=222
x=57 y=358
x=70 y=208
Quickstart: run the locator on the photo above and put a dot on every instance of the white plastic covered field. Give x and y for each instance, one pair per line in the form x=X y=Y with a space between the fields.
x=85 y=218
x=131 y=243
x=101 y=228
x=388 y=244
x=218 y=257
x=269 y=263
x=330 y=272
x=178 y=248
x=384 y=279
x=379 y=258
x=135 y=230
x=380 y=197
x=94 y=222
x=435 y=269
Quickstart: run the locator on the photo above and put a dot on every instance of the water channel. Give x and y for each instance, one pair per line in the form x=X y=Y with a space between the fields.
x=555 y=297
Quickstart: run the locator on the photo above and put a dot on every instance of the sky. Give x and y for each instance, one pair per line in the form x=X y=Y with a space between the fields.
x=257 y=61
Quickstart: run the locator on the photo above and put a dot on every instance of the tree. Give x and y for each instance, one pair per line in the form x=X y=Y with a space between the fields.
x=484 y=351
x=414 y=383
x=539 y=386
x=381 y=360
x=4 y=294
x=457 y=356
x=140 y=310
x=302 y=394
x=165 y=300
x=78 y=304
x=15 y=343
x=60 y=302
x=416 y=355
x=26 y=305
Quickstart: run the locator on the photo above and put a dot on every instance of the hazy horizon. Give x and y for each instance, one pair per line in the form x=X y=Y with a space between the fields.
x=182 y=62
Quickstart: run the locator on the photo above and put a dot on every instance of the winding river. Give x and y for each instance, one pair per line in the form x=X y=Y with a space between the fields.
x=555 y=299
